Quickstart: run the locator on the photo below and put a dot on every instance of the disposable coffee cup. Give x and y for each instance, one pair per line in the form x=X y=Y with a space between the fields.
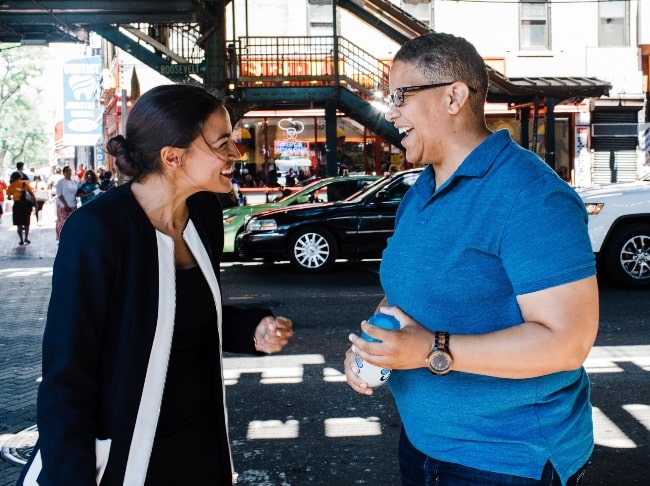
x=376 y=376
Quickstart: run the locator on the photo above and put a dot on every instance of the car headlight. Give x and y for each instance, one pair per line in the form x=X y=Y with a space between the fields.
x=261 y=225
x=594 y=208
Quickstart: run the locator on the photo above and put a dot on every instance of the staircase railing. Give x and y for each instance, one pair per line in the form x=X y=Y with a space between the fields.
x=274 y=61
x=309 y=61
x=172 y=42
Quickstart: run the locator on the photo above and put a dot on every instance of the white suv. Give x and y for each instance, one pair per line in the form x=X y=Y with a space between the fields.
x=619 y=229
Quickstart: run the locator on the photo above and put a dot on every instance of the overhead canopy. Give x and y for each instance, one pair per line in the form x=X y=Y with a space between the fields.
x=34 y=23
x=528 y=89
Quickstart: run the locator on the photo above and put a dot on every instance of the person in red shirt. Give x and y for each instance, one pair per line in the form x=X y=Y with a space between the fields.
x=81 y=171
x=3 y=188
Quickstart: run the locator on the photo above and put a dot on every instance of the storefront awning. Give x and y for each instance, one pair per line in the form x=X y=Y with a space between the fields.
x=529 y=89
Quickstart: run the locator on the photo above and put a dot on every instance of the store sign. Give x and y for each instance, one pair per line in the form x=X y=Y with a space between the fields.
x=582 y=162
x=100 y=155
x=82 y=111
x=292 y=148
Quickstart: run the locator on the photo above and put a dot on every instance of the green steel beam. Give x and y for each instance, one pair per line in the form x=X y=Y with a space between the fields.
x=372 y=20
x=370 y=117
x=175 y=72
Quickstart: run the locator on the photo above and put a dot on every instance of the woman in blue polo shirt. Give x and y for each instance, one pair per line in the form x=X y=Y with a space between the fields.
x=491 y=275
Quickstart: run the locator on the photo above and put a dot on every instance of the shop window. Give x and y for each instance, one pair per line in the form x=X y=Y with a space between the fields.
x=534 y=28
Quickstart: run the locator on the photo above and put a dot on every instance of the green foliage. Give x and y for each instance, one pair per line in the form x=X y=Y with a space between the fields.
x=23 y=131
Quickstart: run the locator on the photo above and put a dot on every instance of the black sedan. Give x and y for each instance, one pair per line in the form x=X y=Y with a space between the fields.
x=312 y=237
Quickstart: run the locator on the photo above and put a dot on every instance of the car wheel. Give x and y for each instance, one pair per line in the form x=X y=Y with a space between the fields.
x=627 y=256
x=312 y=249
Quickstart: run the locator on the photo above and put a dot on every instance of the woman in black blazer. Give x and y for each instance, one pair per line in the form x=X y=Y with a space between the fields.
x=132 y=350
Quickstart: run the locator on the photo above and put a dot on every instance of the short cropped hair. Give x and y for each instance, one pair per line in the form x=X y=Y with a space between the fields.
x=445 y=57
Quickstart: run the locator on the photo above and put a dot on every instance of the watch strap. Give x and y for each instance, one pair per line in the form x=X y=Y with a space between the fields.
x=441 y=342
x=440 y=349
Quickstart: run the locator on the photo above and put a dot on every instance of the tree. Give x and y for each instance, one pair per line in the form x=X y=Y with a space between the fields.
x=23 y=131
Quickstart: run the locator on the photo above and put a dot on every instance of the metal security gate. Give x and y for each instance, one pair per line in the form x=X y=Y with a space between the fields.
x=614 y=166
x=614 y=135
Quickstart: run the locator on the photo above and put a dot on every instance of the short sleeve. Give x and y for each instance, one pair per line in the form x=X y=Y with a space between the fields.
x=546 y=241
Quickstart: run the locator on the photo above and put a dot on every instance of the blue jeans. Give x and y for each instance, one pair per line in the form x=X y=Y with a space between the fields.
x=417 y=469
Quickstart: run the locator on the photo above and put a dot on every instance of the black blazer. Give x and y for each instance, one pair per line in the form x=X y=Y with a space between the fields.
x=101 y=322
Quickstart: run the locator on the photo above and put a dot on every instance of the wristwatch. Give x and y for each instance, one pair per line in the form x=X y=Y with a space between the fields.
x=439 y=360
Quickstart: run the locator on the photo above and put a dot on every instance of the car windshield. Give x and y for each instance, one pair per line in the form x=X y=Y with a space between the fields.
x=284 y=198
x=328 y=190
x=293 y=195
x=396 y=190
x=367 y=189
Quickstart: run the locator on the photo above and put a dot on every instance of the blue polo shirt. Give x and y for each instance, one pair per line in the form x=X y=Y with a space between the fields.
x=504 y=224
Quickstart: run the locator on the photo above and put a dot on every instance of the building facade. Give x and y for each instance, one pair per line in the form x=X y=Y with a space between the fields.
x=597 y=140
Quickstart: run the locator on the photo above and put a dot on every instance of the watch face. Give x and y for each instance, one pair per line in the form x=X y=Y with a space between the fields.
x=440 y=361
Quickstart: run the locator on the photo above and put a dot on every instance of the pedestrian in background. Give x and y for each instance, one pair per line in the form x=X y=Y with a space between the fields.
x=563 y=172
x=22 y=209
x=491 y=275
x=89 y=188
x=132 y=349
x=66 y=199
x=20 y=168
x=107 y=181
x=3 y=188
x=79 y=174
x=55 y=176
x=42 y=196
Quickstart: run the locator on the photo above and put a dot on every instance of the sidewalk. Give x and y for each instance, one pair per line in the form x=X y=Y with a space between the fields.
x=25 y=284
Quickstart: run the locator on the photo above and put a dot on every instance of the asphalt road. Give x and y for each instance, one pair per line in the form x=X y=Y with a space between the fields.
x=328 y=435
x=293 y=419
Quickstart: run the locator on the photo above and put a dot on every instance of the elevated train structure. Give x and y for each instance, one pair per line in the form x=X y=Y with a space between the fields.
x=186 y=41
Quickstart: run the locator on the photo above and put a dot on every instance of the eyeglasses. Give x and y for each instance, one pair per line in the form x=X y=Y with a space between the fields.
x=397 y=96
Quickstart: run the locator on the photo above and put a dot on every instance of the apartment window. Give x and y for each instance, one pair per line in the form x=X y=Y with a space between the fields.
x=534 y=28
x=613 y=23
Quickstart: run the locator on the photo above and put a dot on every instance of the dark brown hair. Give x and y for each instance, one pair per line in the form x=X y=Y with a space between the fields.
x=168 y=115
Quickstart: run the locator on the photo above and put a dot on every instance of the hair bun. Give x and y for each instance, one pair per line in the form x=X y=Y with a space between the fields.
x=118 y=147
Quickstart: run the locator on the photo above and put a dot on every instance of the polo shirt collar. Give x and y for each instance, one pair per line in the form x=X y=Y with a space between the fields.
x=476 y=164
x=479 y=161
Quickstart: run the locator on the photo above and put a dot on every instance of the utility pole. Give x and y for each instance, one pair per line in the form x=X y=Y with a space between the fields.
x=331 y=106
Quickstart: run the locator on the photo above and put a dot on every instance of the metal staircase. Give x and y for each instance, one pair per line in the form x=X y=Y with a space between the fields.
x=170 y=49
x=276 y=71
x=387 y=18
x=268 y=73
